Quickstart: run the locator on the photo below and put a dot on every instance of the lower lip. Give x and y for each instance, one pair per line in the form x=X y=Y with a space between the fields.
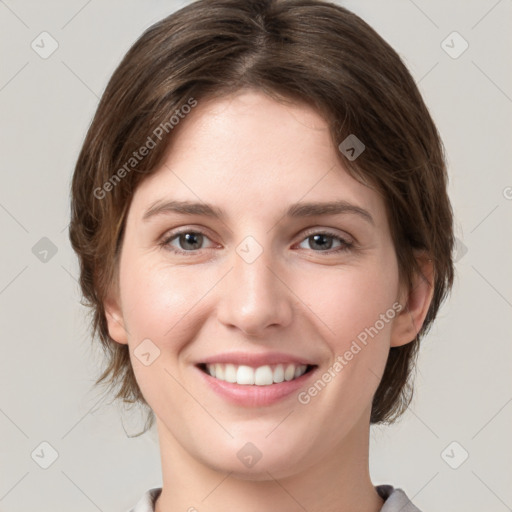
x=252 y=395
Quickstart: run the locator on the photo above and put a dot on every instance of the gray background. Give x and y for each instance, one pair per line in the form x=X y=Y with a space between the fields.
x=48 y=363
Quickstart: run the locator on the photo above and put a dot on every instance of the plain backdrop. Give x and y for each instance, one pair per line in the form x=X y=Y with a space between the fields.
x=451 y=450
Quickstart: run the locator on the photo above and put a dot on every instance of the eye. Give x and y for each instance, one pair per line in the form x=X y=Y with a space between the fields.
x=323 y=242
x=187 y=241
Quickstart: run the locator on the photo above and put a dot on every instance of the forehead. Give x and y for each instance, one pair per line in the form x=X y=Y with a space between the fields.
x=252 y=153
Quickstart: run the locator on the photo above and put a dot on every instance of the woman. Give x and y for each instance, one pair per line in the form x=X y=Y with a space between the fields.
x=264 y=233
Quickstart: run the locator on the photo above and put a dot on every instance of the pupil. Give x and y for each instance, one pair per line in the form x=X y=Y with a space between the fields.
x=191 y=238
x=327 y=245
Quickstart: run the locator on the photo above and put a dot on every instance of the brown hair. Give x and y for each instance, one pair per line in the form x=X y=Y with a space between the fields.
x=303 y=50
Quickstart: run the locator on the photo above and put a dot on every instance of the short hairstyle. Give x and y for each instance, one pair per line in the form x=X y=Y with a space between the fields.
x=307 y=51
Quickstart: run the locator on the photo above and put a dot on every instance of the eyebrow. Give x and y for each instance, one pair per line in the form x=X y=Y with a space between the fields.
x=296 y=210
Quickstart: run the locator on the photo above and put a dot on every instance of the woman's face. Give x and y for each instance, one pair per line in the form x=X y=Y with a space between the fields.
x=272 y=284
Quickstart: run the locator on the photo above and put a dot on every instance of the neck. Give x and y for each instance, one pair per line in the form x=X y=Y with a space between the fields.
x=336 y=482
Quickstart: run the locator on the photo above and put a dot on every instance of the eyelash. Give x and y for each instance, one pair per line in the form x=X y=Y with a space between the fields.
x=345 y=245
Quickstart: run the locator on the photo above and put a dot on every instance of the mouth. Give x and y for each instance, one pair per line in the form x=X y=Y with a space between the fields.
x=256 y=379
x=265 y=375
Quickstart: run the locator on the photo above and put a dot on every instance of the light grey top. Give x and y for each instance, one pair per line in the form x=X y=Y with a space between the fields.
x=395 y=500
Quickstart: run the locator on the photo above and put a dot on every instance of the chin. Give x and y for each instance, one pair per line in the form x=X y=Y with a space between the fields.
x=266 y=468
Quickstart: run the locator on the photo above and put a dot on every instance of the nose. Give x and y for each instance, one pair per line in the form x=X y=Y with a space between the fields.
x=254 y=296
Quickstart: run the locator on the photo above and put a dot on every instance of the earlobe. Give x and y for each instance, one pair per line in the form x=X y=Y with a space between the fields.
x=416 y=301
x=115 y=321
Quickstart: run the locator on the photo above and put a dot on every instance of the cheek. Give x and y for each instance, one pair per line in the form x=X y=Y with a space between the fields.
x=156 y=298
x=350 y=300
x=160 y=305
x=357 y=309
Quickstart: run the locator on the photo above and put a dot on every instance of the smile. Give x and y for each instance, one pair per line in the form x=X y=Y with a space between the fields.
x=265 y=375
x=255 y=386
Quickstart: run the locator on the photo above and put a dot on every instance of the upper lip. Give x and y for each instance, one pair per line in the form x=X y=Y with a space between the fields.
x=256 y=360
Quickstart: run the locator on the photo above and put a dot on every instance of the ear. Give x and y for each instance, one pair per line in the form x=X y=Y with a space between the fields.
x=416 y=302
x=115 y=320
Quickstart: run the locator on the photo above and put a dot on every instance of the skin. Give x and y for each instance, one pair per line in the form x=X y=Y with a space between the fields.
x=253 y=157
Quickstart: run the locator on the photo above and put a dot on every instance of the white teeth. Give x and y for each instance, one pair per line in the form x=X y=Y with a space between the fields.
x=278 y=373
x=229 y=373
x=261 y=376
x=219 y=371
x=289 y=373
x=245 y=375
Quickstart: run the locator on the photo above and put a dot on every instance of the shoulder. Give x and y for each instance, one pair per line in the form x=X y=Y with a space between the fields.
x=147 y=502
x=395 y=500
